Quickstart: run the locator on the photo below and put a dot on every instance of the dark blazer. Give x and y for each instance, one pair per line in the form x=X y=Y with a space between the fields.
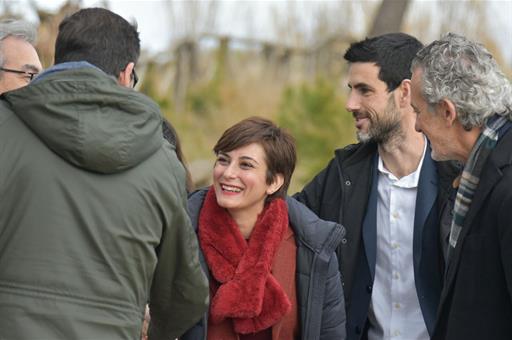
x=320 y=299
x=476 y=301
x=345 y=192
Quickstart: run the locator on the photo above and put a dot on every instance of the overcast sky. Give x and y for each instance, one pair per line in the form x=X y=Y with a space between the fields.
x=246 y=18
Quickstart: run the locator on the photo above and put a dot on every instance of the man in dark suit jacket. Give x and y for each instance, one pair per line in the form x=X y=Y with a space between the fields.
x=463 y=104
x=388 y=193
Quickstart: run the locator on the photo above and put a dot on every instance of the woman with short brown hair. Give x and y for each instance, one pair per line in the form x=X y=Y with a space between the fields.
x=271 y=262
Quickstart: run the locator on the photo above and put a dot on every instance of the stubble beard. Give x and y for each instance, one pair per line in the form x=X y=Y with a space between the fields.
x=383 y=127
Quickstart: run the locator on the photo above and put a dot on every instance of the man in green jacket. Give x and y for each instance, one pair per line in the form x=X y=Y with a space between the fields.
x=93 y=220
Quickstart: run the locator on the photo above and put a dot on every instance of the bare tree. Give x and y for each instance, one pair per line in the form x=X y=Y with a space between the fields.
x=429 y=20
x=389 y=17
x=187 y=21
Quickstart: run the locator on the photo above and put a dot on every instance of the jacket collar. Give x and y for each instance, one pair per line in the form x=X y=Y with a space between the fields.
x=492 y=173
x=63 y=67
x=316 y=234
x=426 y=196
x=355 y=153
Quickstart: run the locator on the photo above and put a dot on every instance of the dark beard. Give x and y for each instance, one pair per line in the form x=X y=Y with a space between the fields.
x=382 y=132
x=383 y=127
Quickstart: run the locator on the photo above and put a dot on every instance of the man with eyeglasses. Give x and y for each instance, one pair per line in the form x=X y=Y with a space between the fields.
x=19 y=62
x=93 y=217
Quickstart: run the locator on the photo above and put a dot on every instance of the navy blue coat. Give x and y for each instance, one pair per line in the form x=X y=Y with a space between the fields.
x=346 y=192
x=320 y=300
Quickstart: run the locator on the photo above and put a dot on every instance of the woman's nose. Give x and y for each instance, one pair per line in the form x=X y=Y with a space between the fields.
x=230 y=171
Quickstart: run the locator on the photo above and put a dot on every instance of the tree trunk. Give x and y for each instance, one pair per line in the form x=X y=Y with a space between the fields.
x=389 y=18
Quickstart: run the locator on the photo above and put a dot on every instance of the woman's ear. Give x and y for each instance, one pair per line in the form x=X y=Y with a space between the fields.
x=276 y=184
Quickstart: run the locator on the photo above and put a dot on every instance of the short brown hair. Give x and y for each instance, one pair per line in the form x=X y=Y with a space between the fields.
x=279 y=147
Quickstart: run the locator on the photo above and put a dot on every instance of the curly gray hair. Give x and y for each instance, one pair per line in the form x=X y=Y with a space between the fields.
x=16 y=28
x=464 y=72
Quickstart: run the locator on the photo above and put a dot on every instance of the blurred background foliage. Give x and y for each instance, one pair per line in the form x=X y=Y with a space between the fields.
x=206 y=81
x=314 y=113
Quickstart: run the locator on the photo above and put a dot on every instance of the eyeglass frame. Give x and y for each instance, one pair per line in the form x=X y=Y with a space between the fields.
x=135 y=77
x=31 y=74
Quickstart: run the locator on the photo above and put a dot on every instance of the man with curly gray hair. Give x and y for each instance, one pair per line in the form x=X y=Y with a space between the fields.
x=19 y=62
x=463 y=104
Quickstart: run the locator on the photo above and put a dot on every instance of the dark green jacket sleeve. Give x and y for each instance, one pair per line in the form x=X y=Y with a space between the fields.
x=179 y=292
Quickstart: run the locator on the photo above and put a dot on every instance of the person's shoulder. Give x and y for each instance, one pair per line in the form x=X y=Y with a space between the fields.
x=312 y=230
x=194 y=205
x=355 y=151
x=350 y=147
x=502 y=161
x=501 y=156
x=162 y=170
x=166 y=159
x=5 y=112
x=197 y=197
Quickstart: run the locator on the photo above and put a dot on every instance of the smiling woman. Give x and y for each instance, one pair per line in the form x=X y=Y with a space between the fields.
x=239 y=179
x=255 y=163
x=254 y=239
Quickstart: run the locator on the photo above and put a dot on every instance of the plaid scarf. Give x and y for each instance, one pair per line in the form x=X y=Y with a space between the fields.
x=471 y=174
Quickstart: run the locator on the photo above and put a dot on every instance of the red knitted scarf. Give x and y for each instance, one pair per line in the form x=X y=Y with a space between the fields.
x=248 y=293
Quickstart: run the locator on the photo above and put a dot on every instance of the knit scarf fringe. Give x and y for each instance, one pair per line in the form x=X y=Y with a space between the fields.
x=248 y=292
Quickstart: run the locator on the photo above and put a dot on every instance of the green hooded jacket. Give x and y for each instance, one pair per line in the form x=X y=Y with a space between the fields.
x=93 y=220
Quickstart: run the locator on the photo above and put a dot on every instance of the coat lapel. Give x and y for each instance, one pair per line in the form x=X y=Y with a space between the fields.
x=488 y=179
x=491 y=174
x=370 y=222
x=425 y=199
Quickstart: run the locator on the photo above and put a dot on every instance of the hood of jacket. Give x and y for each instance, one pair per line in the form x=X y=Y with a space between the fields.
x=89 y=120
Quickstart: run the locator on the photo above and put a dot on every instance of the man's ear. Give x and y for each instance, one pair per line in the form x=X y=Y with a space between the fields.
x=276 y=184
x=404 y=93
x=447 y=110
x=125 y=76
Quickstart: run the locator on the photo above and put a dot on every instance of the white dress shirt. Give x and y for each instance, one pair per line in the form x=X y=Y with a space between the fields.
x=395 y=310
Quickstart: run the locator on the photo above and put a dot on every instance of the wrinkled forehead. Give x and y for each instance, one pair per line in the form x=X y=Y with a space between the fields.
x=19 y=54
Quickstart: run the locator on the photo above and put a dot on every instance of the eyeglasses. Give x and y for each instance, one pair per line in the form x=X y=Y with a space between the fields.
x=135 y=78
x=31 y=75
